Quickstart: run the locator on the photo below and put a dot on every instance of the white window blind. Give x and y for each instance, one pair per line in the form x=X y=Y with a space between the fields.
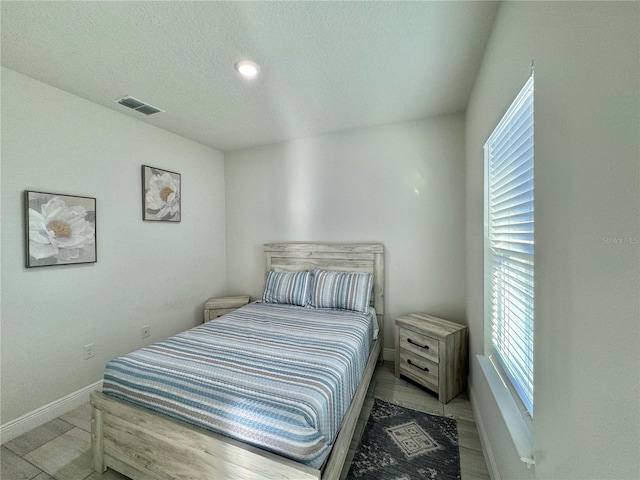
x=509 y=210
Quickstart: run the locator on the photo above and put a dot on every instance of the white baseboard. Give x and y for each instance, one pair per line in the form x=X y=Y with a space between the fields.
x=389 y=354
x=42 y=415
x=484 y=439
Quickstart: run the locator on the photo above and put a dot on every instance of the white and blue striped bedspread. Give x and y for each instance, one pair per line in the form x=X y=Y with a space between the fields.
x=279 y=377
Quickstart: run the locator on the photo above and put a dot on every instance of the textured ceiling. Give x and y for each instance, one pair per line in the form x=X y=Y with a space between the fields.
x=325 y=66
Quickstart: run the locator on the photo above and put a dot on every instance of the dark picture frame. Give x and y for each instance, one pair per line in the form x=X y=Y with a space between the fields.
x=161 y=195
x=60 y=229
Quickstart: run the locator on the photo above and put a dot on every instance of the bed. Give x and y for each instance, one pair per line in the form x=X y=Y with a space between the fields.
x=146 y=444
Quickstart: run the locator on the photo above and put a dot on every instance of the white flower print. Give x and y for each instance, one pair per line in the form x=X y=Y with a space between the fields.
x=59 y=231
x=163 y=195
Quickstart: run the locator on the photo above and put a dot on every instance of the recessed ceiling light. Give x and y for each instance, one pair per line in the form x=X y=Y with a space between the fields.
x=247 y=68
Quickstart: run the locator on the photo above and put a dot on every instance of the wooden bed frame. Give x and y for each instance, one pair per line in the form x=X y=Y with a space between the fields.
x=145 y=445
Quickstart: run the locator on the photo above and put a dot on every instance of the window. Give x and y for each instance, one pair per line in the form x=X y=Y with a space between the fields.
x=509 y=244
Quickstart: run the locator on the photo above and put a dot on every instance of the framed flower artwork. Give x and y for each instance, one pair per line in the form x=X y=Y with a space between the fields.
x=161 y=195
x=60 y=229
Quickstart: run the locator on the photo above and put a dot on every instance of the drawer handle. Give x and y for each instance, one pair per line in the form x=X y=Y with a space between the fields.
x=417 y=344
x=424 y=369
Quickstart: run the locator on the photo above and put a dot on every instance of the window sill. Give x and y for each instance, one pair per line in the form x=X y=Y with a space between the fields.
x=520 y=432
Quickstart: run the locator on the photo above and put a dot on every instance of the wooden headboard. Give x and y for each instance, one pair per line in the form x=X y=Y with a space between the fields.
x=341 y=257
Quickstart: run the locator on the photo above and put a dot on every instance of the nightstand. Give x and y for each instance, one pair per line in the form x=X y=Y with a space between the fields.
x=432 y=352
x=218 y=306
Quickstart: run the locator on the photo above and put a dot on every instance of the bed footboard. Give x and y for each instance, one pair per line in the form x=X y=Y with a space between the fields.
x=146 y=445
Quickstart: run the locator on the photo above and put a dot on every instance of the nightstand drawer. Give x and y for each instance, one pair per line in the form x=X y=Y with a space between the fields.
x=218 y=306
x=213 y=313
x=419 y=344
x=419 y=369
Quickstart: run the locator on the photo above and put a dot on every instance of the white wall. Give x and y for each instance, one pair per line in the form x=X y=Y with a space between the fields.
x=147 y=272
x=399 y=184
x=587 y=181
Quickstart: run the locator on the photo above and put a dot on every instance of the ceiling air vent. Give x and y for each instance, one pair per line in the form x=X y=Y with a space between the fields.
x=137 y=105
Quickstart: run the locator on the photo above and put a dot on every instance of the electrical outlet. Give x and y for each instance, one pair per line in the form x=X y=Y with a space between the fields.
x=144 y=331
x=89 y=350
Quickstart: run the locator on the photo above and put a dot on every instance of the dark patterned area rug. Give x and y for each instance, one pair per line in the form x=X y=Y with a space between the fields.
x=399 y=443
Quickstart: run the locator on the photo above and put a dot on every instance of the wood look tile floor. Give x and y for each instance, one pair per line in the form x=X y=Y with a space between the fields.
x=61 y=449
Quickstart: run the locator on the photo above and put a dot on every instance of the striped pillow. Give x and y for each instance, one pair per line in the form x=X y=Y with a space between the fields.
x=341 y=290
x=291 y=288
